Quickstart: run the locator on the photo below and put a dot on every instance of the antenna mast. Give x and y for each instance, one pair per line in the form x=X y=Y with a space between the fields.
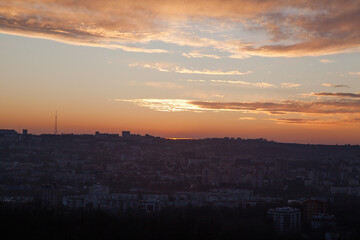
x=55 y=129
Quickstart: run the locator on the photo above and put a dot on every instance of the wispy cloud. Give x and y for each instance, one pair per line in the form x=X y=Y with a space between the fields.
x=315 y=121
x=354 y=73
x=196 y=54
x=138 y=50
x=309 y=113
x=273 y=108
x=335 y=85
x=337 y=94
x=299 y=121
x=163 y=105
x=210 y=72
x=327 y=61
x=256 y=84
x=168 y=68
x=194 y=80
x=311 y=28
x=290 y=85
x=166 y=85
x=259 y=84
x=161 y=67
x=246 y=118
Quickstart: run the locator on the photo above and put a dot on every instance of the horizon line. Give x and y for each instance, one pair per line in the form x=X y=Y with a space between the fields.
x=97 y=133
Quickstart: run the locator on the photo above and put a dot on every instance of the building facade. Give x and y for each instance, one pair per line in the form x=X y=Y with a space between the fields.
x=286 y=219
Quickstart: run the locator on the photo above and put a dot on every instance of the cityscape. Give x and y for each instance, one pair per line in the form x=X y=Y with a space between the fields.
x=299 y=187
x=180 y=120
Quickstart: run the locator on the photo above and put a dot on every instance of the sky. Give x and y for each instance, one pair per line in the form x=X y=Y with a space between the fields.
x=283 y=70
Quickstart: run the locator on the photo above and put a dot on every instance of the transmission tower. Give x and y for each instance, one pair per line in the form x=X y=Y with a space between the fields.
x=55 y=128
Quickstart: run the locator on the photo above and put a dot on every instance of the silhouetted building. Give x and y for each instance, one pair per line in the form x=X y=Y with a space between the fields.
x=323 y=222
x=25 y=132
x=281 y=165
x=257 y=178
x=50 y=196
x=313 y=207
x=125 y=133
x=98 y=189
x=210 y=177
x=7 y=132
x=286 y=219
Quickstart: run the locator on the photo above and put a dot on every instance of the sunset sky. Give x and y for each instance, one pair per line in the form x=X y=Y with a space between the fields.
x=283 y=70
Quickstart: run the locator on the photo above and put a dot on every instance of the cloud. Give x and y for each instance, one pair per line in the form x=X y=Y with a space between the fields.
x=321 y=112
x=239 y=55
x=139 y=50
x=290 y=85
x=324 y=107
x=326 y=61
x=238 y=82
x=196 y=54
x=293 y=28
x=166 y=85
x=332 y=29
x=273 y=108
x=298 y=121
x=163 y=67
x=259 y=84
x=246 y=118
x=195 y=80
x=210 y=72
x=337 y=94
x=312 y=121
x=316 y=47
x=335 y=85
x=326 y=112
x=354 y=73
x=163 y=105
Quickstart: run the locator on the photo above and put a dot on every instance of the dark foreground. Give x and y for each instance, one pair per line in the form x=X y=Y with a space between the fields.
x=34 y=222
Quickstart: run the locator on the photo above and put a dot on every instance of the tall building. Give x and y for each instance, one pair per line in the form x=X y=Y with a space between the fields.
x=211 y=177
x=25 y=132
x=257 y=177
x=313 y=207
x=125 y=133
x=286 y=219
x=323 y=221
x=50 y=196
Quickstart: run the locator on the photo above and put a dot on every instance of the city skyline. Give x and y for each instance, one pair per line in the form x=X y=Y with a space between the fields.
x=280 y=70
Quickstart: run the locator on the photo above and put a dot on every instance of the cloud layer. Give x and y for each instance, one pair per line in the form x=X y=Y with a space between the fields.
x=164 y=67
x=335 y=85
x=308 y=113
x=274 y=108
x=294 y=28
x=337 y=94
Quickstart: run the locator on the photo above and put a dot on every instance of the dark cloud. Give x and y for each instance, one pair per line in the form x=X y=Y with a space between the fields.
x=297 y=120
x=337 y=94
x=316 y=121
x=335 y=85
x=314 y=27
x=284 y=107
x=324 y=107
x=332 y=28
